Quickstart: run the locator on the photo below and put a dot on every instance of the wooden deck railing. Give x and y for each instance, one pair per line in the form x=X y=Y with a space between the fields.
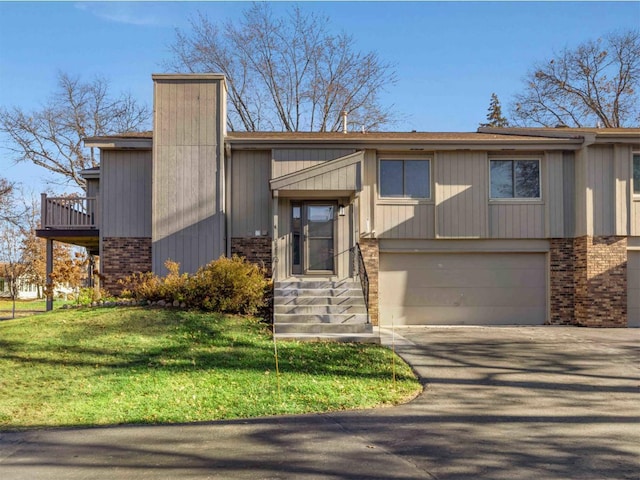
x=69 y=212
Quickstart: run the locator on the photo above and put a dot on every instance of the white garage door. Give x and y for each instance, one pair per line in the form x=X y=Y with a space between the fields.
x=633 y=288
x=462 y=289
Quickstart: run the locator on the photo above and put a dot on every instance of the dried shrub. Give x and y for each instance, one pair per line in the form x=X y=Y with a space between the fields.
x=228 y=285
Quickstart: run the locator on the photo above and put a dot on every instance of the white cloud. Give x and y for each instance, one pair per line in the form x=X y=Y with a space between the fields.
x=139 y=13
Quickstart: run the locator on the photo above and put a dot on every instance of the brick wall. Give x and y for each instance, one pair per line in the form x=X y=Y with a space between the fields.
x=600 y=276
x=122 y=257
x=371 y=257
x=254 y=249
x=561 y=280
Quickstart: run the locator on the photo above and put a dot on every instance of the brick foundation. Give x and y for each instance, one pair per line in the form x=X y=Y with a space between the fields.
x=371 y=257
x=122 y=257
x=254 y=249
x=600 y=277
x=561 y=281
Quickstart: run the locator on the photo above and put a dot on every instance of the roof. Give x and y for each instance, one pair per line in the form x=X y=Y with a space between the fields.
x=485 y=137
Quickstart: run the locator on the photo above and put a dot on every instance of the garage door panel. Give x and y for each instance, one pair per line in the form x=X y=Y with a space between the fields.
x=463 y=316
x=454 y=297
x=467 y=289
x=633 y=288
x=472 y=278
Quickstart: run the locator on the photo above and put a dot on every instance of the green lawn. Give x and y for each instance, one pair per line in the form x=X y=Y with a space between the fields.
x=25 y=308
x=133 y=365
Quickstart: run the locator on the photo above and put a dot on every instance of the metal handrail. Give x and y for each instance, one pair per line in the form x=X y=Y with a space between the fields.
x=362 y=273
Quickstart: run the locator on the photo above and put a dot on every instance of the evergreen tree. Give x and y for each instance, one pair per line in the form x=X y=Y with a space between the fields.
x=494 y=114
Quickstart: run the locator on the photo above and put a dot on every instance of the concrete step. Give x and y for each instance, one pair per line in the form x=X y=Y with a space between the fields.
x=320 y=318
x=321 y=284
x=329 y=337
x=319 y=309
x=316 y=292
x=313 y=300
x=322 y=328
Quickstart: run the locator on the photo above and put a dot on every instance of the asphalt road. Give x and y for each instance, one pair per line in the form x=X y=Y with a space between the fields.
x=499 y=403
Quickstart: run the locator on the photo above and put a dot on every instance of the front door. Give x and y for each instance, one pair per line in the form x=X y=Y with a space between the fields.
x=313 y=235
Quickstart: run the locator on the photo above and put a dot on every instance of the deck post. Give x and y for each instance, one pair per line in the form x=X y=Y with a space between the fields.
x=49 y=289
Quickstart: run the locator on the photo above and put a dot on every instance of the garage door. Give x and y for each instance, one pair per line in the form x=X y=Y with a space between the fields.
x=462 y=289
x=633 y=286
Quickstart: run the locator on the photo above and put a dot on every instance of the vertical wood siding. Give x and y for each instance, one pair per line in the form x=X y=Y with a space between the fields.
x=405 y=221
x=250 y=194
x=126 y=189
x=600 y=190
x=622 y=167
x=512 y=220
x=569 y=194
x=553 y=193
x=188 y=221
x=461 y=194
x=286 y=161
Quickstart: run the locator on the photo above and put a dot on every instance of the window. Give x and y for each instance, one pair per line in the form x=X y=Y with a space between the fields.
x=636 y=173
x=515 y=179
x=405 y=179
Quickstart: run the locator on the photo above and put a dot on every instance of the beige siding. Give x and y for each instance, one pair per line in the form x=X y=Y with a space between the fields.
x=635 y=217
x=461 y=194
x=553 y=193
x=188 y=198
x=405 y=220
x=600 y=190
x=286 y=161
x=250 y=195
x=622 y=166
x=345 y=178
x=633 y=285
x=282 y=253
x=462 y=288
x=516 y=220
x=369 y=194
x=126 y=189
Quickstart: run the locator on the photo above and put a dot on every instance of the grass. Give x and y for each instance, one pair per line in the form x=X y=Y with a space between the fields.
x=26 y=307
x=132 y=365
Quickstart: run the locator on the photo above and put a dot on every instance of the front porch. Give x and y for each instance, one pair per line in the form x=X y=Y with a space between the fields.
x=320 y=279
x=71 y=220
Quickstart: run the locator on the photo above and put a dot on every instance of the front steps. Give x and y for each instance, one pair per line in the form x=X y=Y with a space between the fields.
x=312 y=310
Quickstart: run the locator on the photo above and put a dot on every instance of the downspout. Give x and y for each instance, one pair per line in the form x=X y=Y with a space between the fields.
x=227 y=192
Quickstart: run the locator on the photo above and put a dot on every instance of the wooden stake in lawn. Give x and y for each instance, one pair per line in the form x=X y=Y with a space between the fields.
x=275 y=350
x=393 y=349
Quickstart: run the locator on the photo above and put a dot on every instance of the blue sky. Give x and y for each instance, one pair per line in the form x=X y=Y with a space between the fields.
x=449 y=56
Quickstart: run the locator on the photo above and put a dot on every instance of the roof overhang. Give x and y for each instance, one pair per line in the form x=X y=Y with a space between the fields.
x=119 y=143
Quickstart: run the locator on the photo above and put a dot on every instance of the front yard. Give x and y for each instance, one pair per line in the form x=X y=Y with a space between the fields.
x=108 y=366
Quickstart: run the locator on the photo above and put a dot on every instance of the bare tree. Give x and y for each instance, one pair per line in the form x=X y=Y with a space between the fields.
x=12 y=266
x=287 y=73
x=52 y=136
x=593 y=84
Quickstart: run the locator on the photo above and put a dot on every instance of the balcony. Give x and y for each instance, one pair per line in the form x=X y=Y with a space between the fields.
x=72 y=220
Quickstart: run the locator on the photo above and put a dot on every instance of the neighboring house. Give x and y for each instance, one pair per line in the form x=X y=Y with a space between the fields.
x=26 y=290
x=500 y=226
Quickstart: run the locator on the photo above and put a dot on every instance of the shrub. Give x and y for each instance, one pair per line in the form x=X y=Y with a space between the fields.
x=228 y=285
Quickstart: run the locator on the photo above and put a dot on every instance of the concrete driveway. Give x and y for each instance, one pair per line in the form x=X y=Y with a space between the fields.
x=499 y=403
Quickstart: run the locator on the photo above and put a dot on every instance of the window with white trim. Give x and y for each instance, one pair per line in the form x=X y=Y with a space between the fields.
x=405 y=178
x=515 y=179
x=636 y=174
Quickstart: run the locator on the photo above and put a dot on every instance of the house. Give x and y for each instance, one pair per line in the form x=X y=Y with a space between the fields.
x=26 y=290
x=499 y=226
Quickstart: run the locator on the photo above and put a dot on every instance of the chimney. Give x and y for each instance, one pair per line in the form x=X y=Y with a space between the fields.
x=344 y=121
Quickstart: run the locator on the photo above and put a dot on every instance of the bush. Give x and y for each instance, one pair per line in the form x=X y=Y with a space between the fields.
x=226 y=285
